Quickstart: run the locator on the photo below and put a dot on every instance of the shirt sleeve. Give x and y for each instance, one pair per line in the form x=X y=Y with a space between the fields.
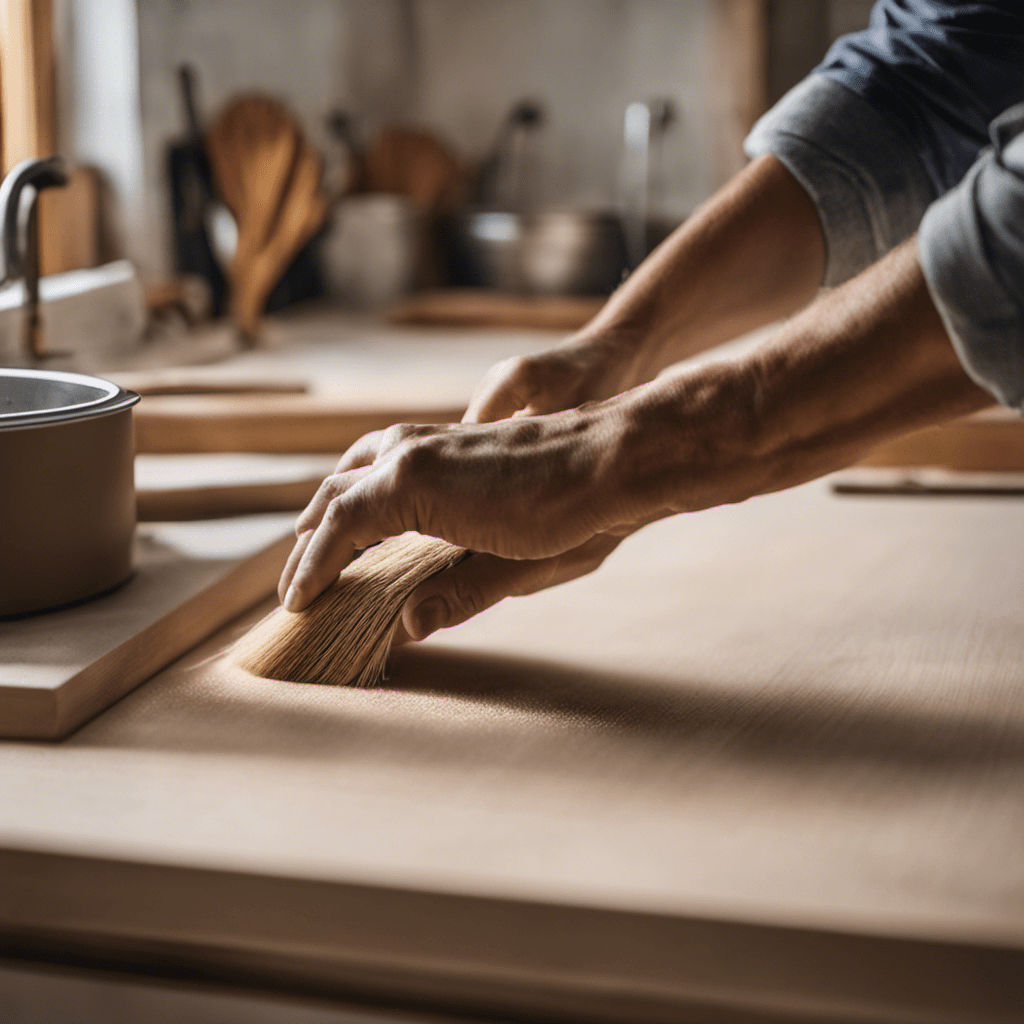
x=971 y=246
x=893 y=118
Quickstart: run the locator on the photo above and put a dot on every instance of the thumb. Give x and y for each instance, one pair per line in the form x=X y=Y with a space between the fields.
x=506 y=389
x=468 y=588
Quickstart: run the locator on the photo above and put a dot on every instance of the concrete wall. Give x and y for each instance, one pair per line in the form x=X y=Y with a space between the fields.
x=455 y=66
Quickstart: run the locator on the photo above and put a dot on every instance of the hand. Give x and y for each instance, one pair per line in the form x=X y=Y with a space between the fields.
x=529 y=488
x=581 y=369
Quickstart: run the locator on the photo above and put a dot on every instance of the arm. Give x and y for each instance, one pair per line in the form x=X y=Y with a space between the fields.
x=750 y=255
x=543 y=497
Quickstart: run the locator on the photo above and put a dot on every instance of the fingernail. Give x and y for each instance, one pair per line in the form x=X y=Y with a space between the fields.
x=429 y=616
x=291 y=600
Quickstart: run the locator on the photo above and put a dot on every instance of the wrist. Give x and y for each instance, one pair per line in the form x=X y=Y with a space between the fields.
x=688 y=441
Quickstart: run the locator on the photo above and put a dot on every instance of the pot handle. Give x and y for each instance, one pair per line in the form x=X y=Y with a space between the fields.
x=39 y=173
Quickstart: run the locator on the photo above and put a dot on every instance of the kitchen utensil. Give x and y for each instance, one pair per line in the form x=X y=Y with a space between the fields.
x=645 y=125
x=19 y=237
x=301 y=213
x=573 y=253
x=499 y=182
x=412 y=162
x=68 y=509
x=202 y=226
x=59 y=670
x=375 y=249
x=271 y=180
x=553 y=253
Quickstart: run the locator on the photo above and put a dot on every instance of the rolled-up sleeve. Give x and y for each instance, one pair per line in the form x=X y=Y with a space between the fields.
x=971 y=245
x=893 y=118
x=865 y=179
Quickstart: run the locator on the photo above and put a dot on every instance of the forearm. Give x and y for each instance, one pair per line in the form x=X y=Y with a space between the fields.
x=865 y=362
x=750 y=255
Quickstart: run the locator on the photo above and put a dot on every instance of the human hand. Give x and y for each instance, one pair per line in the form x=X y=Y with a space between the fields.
x=529 y=488
x=587 y=367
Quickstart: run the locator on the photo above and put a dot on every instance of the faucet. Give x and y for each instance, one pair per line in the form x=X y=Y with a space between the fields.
x=19 y=237
x=645 y=124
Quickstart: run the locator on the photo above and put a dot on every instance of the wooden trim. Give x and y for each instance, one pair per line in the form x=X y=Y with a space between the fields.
x=738 y=77
x=26 y=80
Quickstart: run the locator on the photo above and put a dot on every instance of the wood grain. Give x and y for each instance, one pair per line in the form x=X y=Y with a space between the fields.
x=59 y=669
x=765 y=764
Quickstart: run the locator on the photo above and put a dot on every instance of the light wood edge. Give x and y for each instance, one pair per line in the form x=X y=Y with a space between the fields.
x=164 y=505
x=507 y=954
x=121 y=670
x=737 y=77
x=272 y=426
x=990 y=441
x=26 y=80
x=472 y=307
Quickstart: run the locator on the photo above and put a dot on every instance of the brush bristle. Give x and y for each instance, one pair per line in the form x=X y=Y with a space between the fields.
x=345 y=635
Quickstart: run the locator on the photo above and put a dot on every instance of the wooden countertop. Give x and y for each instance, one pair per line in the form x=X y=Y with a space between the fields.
x=766 y=763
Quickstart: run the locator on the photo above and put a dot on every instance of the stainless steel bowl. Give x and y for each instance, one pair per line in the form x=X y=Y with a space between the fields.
x=555 y=253
x=67 y=497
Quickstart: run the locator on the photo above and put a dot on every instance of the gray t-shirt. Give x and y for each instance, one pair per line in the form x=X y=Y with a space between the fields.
x=888 y=137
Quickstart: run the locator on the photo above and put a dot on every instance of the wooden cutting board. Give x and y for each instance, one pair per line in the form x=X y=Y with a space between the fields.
x=59 y=669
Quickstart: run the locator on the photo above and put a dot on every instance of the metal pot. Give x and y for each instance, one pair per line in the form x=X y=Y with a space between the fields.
x=551 y=253
x=67 y=496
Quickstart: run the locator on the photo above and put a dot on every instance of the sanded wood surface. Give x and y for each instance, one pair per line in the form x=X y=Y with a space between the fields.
x=60 y=668
x=768 y=760
x=268 y=423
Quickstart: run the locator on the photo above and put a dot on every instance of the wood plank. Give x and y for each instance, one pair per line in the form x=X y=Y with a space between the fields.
x=266 y=423
x=59 y=669
x=766 y=763
x=26 y=80
x=738 y=73
x=469 y=307
x=987 y=442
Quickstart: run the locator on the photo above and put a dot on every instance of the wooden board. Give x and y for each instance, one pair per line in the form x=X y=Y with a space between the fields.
x=173 y=488
x=471 y=307
x=262 y=423
x=988 y=442
x=58 y=669
x=918 y=481
x=766 y=764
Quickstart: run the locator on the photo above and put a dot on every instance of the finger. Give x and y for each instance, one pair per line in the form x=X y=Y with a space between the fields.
x=475 y=584
x=333 y=487
x=293 y=563
x=361 y=453
x=353 y=521
x=505 y=389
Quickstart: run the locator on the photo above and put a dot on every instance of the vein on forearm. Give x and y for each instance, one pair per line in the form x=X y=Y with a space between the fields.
x=866 y=362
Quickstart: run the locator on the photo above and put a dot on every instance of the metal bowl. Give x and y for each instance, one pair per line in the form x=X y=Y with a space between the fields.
x=555 y=253
x=67 y=498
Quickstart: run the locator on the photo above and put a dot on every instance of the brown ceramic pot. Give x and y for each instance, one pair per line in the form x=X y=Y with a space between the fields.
x=67 y=496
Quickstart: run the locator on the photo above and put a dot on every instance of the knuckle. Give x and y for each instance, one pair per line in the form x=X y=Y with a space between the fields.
x=468 y=595
x=522 y=370
x=335 y=512
x=394 y=435
x=412 y=462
